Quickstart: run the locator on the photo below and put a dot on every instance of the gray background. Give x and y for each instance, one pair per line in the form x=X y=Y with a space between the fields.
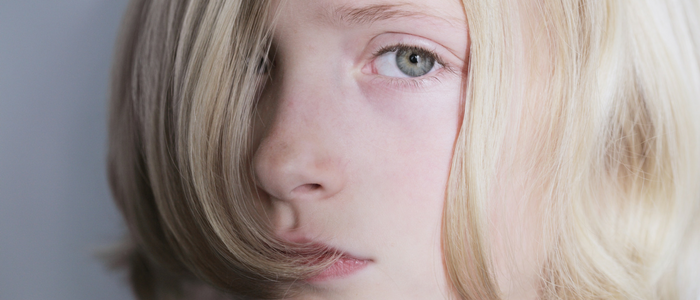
x=55 y=207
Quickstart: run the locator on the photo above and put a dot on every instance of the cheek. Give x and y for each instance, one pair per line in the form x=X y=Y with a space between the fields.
x=410 y=144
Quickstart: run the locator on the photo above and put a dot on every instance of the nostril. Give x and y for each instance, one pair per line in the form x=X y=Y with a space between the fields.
x=306 y=188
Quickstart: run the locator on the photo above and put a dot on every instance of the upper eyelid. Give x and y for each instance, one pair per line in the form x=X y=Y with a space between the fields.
x=397 y=46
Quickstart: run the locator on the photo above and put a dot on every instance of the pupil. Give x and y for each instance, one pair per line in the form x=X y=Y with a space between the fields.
x=414 y=58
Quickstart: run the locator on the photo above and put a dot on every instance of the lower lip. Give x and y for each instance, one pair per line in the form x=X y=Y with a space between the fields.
x=345 y=266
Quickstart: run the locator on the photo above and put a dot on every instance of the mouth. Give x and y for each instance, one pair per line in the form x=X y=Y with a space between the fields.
x=345 y=266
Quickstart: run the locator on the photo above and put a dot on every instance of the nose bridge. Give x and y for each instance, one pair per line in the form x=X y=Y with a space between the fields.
x=296 y=159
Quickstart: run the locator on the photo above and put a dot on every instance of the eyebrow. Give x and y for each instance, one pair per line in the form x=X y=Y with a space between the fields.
x=366 y=15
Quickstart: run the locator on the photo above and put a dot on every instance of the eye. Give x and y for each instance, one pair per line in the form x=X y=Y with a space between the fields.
x=405 y=61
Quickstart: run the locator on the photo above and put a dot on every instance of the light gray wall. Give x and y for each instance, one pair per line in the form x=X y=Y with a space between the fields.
x=55 y=207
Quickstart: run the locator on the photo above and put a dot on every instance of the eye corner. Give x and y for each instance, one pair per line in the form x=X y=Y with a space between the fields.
x=369 y=68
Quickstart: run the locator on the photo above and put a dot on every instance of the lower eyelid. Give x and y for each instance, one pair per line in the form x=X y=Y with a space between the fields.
x=412 y=84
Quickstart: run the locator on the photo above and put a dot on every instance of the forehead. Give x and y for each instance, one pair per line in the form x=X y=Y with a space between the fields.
x=349 y=13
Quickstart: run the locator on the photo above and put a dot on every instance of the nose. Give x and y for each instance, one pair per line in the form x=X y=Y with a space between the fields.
x=291 y=165
x=299 y=159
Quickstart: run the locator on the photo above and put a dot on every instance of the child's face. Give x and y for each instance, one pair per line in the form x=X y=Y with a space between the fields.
x=359 y=122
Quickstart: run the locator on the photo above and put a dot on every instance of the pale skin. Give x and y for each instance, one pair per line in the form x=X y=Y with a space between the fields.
x=354 y=153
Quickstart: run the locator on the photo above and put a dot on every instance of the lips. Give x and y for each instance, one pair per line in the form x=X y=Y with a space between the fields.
x=345 y=266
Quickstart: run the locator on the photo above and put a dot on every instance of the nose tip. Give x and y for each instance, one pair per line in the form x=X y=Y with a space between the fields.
x=296 y=172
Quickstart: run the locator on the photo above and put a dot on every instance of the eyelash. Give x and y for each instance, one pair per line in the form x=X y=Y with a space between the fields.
x=414 y=82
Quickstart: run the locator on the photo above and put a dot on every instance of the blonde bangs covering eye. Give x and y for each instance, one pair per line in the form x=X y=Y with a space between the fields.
x=185 y=81
x=612 y=158
x=615 y=151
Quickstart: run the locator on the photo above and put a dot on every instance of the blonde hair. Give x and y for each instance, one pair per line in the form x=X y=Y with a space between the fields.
x=615 y=153
x=613 y=158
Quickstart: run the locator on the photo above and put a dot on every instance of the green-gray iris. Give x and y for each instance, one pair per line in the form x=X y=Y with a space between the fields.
x=414 y=62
